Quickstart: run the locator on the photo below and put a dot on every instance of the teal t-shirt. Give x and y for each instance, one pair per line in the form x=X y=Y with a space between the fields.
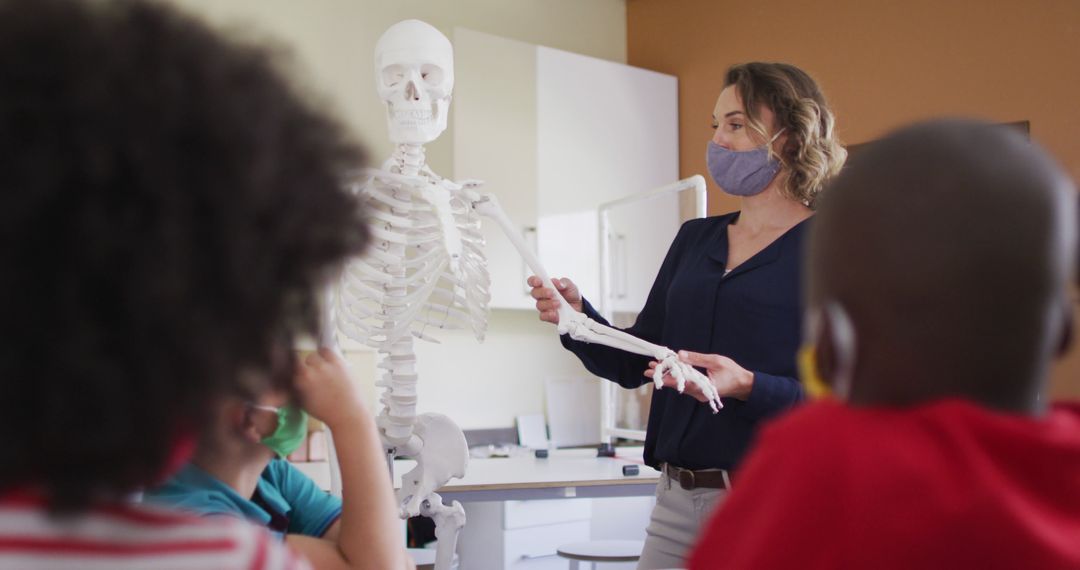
x=285 y=500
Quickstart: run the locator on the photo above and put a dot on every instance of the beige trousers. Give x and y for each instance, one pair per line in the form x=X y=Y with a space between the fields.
x=674 y=524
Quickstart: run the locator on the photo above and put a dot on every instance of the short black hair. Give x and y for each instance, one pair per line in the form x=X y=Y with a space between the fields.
x=950 y=244
x=169 y=207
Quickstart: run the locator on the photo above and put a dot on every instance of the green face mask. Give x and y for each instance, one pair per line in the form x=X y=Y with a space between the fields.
x=291 y=429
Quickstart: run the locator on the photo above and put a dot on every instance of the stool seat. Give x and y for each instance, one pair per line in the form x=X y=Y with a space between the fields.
x=602 y=550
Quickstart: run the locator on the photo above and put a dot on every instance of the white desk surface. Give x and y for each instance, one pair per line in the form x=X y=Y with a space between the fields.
x=565 y=473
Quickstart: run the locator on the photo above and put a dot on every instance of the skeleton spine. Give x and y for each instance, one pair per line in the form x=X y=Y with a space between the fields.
x=398 y=415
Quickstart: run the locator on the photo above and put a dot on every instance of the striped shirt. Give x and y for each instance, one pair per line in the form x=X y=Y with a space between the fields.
x=122 y=537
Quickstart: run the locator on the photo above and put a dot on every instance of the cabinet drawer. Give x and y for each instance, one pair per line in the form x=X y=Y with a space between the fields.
x=531 y=548
x=521 y=514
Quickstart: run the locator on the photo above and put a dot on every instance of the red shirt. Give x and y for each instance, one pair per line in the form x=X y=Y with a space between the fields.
x=944 y=485
x=118 y=537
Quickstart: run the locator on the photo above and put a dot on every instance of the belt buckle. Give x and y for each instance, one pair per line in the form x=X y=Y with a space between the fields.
x=686 y=479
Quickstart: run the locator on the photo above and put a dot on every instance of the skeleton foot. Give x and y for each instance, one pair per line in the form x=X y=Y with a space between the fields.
x=448 y=523
x=683 y=373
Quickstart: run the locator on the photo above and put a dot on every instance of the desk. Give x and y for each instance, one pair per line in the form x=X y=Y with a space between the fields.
x=508 y=529
x=566 y=473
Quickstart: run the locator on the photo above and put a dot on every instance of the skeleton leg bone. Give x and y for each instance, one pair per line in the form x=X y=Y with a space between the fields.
x=448 y=523
x=444 y=455
x=584 y=329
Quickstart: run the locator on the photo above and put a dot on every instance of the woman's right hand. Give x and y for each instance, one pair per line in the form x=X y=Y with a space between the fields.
x=547 y=301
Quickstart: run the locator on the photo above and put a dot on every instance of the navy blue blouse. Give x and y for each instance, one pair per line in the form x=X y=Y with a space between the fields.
x=752 y=315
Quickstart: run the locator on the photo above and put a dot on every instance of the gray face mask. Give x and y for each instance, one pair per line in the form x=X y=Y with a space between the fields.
x=742 y=173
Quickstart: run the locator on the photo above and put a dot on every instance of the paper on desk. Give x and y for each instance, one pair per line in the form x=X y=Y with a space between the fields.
x=532 y=431
x=573 y=410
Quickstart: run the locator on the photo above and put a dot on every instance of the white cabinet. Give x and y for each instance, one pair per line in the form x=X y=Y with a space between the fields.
x=534 y=548
x=640 y=231
x=554 y=134
x=521 y=534
x=524 y=535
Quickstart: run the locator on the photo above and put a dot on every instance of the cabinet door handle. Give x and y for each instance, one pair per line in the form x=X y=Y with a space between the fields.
x=622 y=267
x=531 y=239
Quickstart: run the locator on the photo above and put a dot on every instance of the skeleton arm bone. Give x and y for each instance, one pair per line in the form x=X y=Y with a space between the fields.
x=584 y=329
x=486 y=205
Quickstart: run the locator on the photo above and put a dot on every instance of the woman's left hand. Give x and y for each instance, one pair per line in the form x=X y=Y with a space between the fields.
x=730 y=379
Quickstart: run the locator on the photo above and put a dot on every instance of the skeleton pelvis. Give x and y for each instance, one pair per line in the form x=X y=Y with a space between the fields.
x=444 y=455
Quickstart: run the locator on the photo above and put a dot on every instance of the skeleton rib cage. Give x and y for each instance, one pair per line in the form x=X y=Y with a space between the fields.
x=406 y=282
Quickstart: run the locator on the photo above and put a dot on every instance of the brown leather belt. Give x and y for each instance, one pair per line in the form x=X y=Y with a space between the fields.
x=703 y=479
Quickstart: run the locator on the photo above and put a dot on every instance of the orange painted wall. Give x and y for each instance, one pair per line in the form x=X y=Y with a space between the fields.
x=882 y=63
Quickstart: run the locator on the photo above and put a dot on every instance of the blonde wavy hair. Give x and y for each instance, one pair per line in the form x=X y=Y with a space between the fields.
x=812 y=154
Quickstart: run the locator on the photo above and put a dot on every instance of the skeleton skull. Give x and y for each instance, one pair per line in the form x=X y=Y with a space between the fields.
x=414 y=72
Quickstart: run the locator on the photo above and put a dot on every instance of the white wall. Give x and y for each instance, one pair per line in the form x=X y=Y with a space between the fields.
x=333 y=43
x=483 y=386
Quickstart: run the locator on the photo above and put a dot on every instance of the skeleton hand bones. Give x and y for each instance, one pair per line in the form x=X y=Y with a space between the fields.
x=724 y=374
x=584 y=329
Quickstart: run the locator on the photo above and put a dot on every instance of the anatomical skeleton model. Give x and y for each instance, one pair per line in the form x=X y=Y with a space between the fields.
x=426 y=270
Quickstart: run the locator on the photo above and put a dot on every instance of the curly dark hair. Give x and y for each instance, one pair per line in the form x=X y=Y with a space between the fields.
x=169 y=208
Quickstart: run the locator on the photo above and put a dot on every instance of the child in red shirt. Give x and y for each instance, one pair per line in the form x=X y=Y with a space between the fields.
x=948 y=484
x=939 y=271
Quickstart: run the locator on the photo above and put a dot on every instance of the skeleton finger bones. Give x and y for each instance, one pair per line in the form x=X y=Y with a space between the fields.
x=584 y=329
x=669 y=364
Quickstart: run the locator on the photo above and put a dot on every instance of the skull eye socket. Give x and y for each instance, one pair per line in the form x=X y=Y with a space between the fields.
x=392 y=75
x=431 y=74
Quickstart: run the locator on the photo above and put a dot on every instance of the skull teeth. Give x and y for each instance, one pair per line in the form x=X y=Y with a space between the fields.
x=414 y=114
